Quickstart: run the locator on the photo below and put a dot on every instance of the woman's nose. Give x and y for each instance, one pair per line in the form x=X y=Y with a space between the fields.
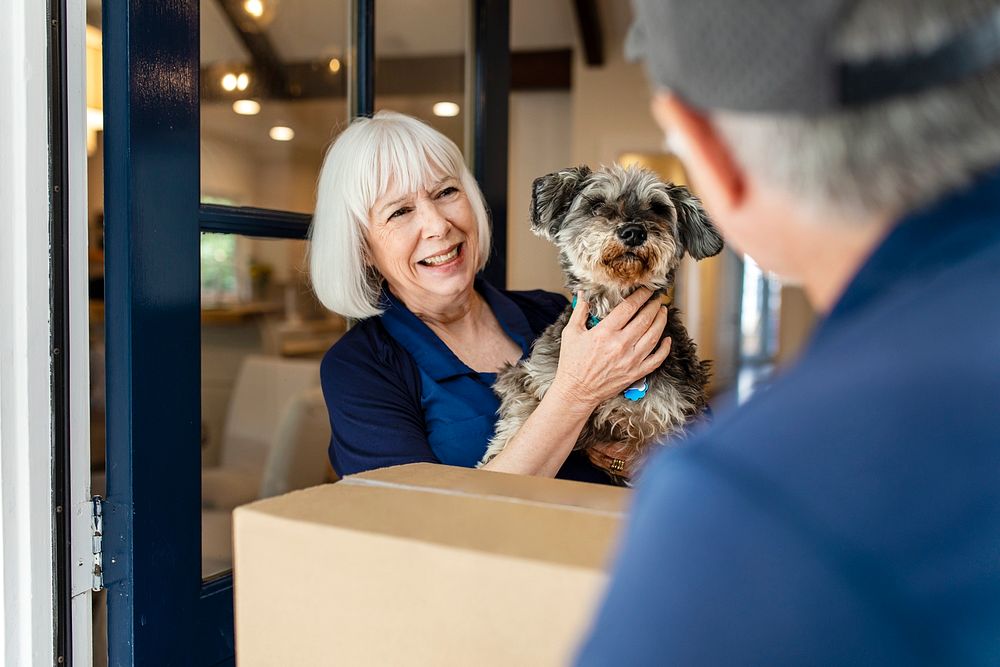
x=433 y=222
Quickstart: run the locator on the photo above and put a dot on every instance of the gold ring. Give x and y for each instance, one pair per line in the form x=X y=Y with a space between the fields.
x=617 y=465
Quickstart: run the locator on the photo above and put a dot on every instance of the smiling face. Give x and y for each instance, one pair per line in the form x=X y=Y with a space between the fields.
x=425 y=243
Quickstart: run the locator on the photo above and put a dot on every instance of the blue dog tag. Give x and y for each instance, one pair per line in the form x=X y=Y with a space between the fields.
x=638 y=390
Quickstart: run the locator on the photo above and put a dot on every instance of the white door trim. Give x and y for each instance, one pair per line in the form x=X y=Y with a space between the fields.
x=78 y=298
x=26 y=558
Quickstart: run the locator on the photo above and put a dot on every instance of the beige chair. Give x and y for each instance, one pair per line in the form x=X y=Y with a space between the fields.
x=298 y=455
x=264 y=388
x=266 y=391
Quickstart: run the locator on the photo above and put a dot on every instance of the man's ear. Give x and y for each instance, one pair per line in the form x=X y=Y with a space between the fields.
x=551 y=196
x=707 y=159
x=697 y=234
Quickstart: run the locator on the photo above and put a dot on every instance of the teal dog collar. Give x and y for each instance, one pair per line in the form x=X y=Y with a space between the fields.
x=592 y=320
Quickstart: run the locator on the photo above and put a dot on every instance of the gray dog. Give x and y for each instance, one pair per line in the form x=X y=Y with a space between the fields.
x=617 y=230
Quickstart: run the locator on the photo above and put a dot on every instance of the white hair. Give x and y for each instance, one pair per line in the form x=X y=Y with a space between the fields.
x=373 y=154
x=889 y=157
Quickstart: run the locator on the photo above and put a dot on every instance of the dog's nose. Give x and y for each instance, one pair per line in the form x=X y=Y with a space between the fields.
x=632 y=235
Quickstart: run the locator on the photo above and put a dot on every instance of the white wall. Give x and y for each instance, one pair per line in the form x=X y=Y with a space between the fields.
x=610 y=112
x=540 y=143
x=604 y=115
x=26 y=590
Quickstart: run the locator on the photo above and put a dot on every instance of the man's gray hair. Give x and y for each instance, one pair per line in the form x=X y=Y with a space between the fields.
x=890 y=157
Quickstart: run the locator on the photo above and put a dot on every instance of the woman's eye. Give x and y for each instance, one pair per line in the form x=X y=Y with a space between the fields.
x=447 y=191
x=399 y=212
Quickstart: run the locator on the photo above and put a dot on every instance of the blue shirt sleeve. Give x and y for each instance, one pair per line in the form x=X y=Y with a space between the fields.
x=711 y=574
x=374 y=404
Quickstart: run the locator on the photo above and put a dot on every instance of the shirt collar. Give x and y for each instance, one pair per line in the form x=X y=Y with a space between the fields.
x=431 y=354
x=923 y=243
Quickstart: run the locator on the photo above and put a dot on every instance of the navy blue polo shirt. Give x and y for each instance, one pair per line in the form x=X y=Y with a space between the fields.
x=849 y=513
x=397 y=394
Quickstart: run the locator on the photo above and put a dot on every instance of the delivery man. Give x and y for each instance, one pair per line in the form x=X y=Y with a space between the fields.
x=850 y=512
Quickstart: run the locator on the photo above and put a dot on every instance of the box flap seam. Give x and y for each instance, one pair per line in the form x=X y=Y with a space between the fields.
x=356 y=481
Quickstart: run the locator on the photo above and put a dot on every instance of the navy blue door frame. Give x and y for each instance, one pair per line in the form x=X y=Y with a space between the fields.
x=491 y=23
x=160 y=612
x=157 y=611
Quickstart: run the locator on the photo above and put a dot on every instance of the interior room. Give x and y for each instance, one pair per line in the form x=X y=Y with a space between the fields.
x=277 y=81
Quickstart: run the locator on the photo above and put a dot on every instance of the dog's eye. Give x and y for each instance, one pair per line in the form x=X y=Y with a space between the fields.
x=660 y=209
x=595 y=205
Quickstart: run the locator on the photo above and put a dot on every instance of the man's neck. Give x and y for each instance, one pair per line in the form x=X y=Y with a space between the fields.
x=833 y=252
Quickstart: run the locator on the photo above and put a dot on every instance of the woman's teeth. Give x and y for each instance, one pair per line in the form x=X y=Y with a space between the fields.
x=441 y=259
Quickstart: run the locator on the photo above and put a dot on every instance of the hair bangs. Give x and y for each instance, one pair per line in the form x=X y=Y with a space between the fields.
x=406 y=159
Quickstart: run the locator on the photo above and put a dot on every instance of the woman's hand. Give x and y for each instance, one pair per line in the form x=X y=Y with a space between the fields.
x=598 y=363
x=620 y=460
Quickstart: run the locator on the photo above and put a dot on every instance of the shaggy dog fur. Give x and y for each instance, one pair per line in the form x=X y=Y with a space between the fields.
x=586 y=213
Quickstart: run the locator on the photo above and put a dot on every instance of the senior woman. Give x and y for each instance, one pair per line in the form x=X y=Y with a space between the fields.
x=399 y=234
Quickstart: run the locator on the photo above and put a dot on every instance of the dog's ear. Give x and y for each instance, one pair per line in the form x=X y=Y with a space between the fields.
x=551 y=196
x=698 y=236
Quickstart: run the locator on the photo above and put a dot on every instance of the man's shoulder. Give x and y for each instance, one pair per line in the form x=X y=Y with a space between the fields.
x=873 y=428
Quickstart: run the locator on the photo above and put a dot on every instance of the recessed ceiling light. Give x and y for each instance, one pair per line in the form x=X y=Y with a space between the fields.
x=446 y=109
x=254 y=8
x=282 y=133
x=242 y=81
x=229 y=81
x=334 y=65
x=246 y=107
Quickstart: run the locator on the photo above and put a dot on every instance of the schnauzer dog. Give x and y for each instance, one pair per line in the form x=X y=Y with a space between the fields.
x=617 y=229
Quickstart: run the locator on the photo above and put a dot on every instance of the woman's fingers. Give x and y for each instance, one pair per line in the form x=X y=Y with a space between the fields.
x=623 y=312
x=656 y=358
x=578 y=318
x=616 y=450
x=648 y=340
x=643 y=321
x=604 y=456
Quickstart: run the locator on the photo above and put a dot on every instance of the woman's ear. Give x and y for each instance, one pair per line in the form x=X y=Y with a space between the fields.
x=697 y=234
x=551 y=196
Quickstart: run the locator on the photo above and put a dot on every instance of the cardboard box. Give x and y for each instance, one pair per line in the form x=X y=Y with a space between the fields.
x=423 y=565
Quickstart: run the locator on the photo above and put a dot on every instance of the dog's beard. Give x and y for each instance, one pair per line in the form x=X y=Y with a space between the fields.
x=628 y=266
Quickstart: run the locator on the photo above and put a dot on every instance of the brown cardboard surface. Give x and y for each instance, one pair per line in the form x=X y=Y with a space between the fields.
x=422 y=564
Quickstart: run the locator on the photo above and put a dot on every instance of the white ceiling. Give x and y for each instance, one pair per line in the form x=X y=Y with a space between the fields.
x=315 y=121
x=317 y=29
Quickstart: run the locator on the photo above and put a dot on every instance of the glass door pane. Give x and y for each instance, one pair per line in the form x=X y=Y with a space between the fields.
x=264 y=423
x=274 y=79
x=420 y=59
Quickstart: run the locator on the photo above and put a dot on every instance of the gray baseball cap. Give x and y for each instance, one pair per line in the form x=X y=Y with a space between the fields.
x=777 y=55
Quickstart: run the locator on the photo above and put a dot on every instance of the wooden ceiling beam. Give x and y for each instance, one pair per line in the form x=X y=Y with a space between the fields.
x=428 y=75
x=588 y=21
x=267 y=63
